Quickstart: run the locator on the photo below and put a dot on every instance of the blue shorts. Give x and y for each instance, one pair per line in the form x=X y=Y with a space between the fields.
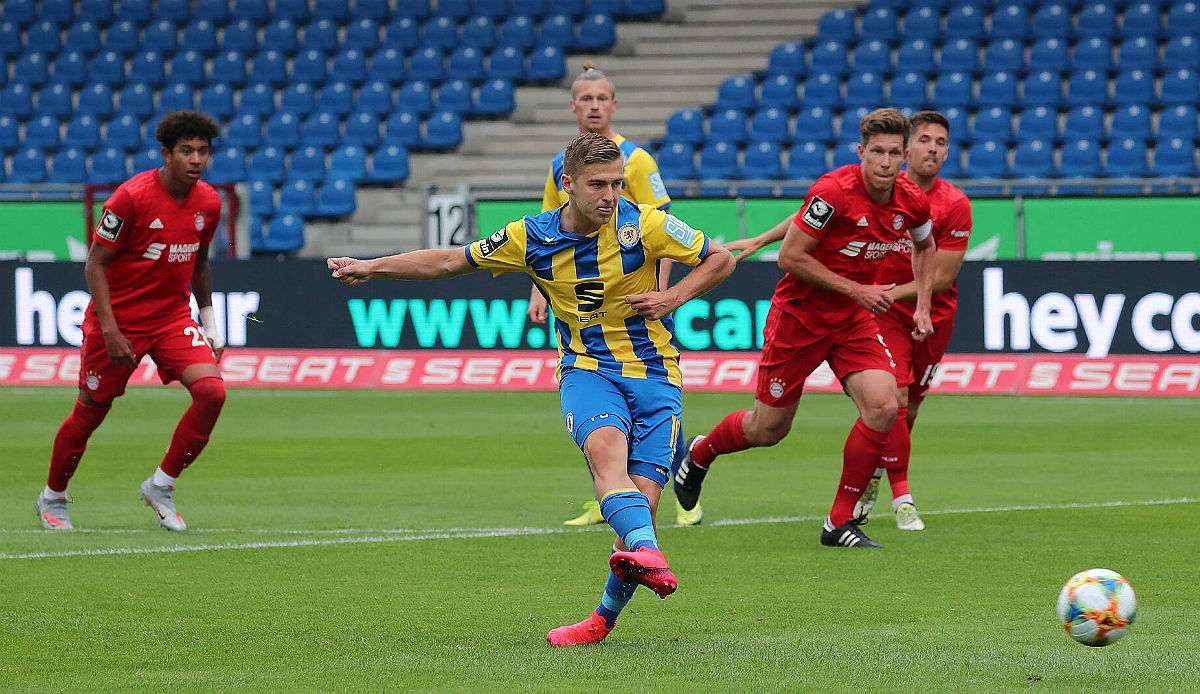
x=649 y=412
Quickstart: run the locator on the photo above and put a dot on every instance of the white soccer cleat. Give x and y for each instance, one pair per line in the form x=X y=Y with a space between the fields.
x=862 y=507
x=162 y=500
x=53 y=513
x=907 y=518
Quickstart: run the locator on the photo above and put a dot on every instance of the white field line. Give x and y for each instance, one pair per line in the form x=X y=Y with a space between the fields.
x=412 y=535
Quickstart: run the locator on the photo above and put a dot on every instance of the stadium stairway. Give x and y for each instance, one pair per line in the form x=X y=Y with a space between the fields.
x=659 y=67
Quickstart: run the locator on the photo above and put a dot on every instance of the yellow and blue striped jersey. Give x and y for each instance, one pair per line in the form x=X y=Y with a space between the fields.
x=643 y=183
x=586 y=279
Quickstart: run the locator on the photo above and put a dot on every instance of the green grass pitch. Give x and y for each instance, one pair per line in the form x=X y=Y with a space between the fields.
x=412 y=541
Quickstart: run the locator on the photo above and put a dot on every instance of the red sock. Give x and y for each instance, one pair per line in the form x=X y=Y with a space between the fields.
x=860 y=457
x=70 y=442
x=191 y=435
x=726 y=437
x=896 y=454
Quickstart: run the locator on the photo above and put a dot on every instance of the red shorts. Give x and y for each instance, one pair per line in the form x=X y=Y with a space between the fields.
x=916 y=362
x=791 y=353
x=173 y=348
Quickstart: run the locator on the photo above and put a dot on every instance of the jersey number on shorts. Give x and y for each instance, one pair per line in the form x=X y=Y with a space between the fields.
x=197 y=336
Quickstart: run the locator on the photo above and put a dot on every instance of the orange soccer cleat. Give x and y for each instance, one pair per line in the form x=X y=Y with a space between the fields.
x=647 y=567
x=589 y=631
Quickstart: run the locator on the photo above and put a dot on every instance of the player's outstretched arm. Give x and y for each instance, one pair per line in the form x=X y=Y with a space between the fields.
x=425 y=264
x=202 y=289
x=711 y=271
x=750 y=246
x=120 y=349
x=796 y=257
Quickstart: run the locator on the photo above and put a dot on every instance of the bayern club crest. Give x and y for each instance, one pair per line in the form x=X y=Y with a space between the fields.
x=92 y=380
x=628 y=235
x=775 y=388
x=897 y=222
x=200 y=221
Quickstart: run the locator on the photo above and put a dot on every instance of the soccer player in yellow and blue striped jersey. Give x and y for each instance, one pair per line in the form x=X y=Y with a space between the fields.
x=619 y=377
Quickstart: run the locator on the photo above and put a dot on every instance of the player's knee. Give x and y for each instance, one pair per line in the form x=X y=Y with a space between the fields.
x=209 y=393
x=880 y=414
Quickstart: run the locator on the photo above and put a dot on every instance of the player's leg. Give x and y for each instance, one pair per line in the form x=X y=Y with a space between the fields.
x=897 y=334
x=683 y=516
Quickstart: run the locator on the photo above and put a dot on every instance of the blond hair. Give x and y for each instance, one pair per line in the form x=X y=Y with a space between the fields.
x=883 y=121
x=587 y=149
x=591 y=73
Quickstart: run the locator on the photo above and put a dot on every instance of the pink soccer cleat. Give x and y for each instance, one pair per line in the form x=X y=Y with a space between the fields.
x=647 y=567
x=589 y=631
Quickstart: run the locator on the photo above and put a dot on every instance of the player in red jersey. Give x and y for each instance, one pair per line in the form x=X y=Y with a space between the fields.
x=150 y=246
x=824 y=309
x=916 y=362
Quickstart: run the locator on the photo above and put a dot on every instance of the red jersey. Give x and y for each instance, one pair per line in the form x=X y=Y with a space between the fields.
x=156 y=238
x=854 y=236
x=951 y=230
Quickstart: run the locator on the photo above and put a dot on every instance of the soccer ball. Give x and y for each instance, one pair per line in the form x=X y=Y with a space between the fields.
x=1097 y=607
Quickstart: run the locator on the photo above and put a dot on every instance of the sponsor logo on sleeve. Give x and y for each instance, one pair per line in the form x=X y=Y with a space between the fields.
x=818 y=213
x=656 y=185
x=493 y=243
x=110 y=226
x=680 y=231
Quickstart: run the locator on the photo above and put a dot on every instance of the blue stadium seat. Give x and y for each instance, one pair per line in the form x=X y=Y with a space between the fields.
x=736 y=92
x=455 y=96
x=427 y=64
x=507 y=63
x=686 y=126
x=778 y=91
x=31 y=68
x=376 y=98
x=108 y=166
x=1092 y=54
x=1142 y=19
x=966 y=21
x=814 y=124
x=987 y=160
x=416 y=96
x=761 y=161
x=348 y=162
x=728 y=125
x=307 y=164
x=10 y=40
x=336 y=197
x=9 y=133
x=257 y=99
x=187 y=68
x=822 y=89
x=362 y=129
x=1042 y=89
x=320 y=35
x=614 y=8
x=466 y=63
x=829 y=57
x=99 y=11
x=16 y=101
x=147 y=158
x=28 y=166
x=1138 y=53
x=82 y=36
x=845 y=152
x=151 y=133
x=864 y=89
x=135 y=99
x=241 y=36
x=518 y=30
x=177 y=97
x=492 y=9
x=337 y=10
x=908 y=90
x=994 y=123
x=480 y=33
x=269 y=66
x=952 y=168
x=159 y=41
x=1080 y=159
x=1181 y=53
x=45 y=38
x=998 y=89
x=534 y=9
x=124 y=132
x=597 y=32
x=1184 y=18
x=320 y=130
x=136 y=11
x=387 y=65
x=873 y=56
x=879 y=24
x=547 y=64
x=283 y=131
x=402 y=128
x=1033 y=159
x=952 y=89
x=676 y=161
x=389 y=164
x=1082 y=123
x=837 y=25
x=228 y=166
x=1173 y=158
x=495 y=98
x=786 y=59
x=915 y=56
x=557 y=30
x=1177 y=121
x=1010 y=21
x=254 y=10
x=266 y=164
x=1005 y=55
x=295 y=10
x=298 y=99
x=309 y=66
x=402 y=34
x=769 y=125
x=1088 y=87
x=281 y=35
x=285 y=234
x=245 y=132
x=43 y=133
x=1180 y=87
x=454 y=9
x=718 y=161
x=1052 y=20
x=122 y=37
x=440 y=32
x=1126 y=159
x=922 y=23
x=148 y=68
x=806 y=161
x=1133 y=87
x=199 y=36
x=350 y=66
x=62 y=12
x=1049 y=54
x=443 y=131
x=960 y=55
x=97 y=100
x=1097 y=19
x=55 y=100
x=1039 y=123
x=69 y=166
x=363 y=35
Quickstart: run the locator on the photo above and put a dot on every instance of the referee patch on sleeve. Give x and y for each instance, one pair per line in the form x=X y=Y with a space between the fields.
x=493 y=243
x=110 y=226
x=818 y=212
